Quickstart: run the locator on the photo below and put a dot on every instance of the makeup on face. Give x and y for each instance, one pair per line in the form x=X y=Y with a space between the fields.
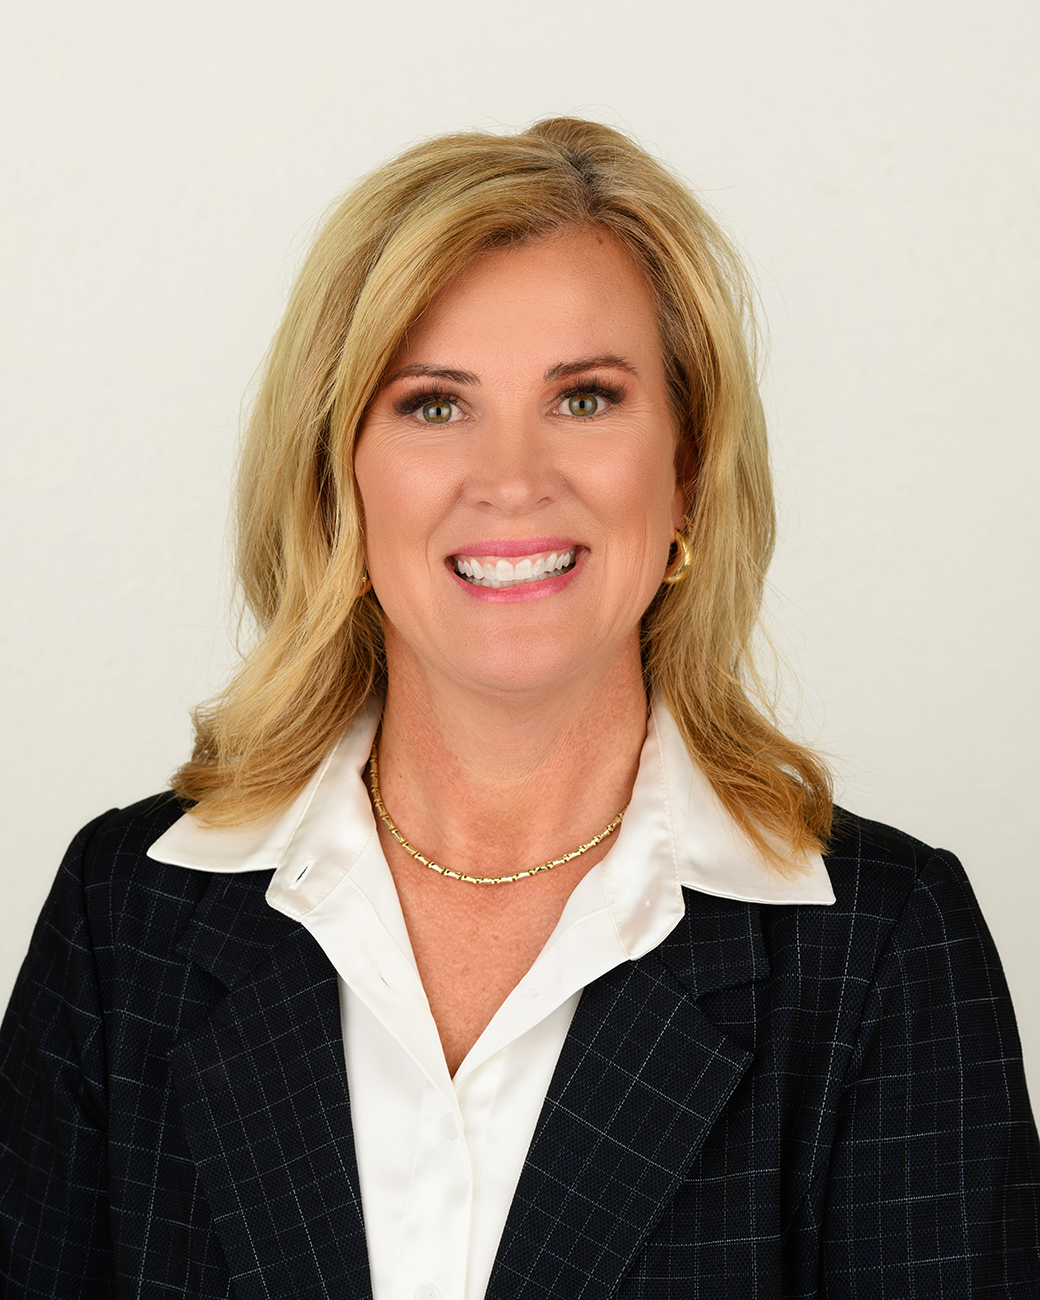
x=517 y=466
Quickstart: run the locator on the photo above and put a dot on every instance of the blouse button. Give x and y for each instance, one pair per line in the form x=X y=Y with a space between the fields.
x=451 y=1133
x=427 y=1293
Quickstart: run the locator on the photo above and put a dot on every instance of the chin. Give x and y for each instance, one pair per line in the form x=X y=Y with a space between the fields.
x=529 y=667
x=515 y=679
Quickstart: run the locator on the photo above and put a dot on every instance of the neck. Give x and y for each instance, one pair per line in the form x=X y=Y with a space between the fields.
x=490 y=783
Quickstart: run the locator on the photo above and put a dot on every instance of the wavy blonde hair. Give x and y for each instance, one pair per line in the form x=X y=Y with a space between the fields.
x=385 y=251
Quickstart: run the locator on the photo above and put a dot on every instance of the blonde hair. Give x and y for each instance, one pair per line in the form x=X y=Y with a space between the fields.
x=385 y=251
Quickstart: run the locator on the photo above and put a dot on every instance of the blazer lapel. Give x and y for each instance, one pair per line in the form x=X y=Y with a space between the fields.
x=643 y=1076
x=263 y=1091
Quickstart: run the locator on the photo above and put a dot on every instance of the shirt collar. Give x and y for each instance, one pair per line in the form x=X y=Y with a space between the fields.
x=674 y=821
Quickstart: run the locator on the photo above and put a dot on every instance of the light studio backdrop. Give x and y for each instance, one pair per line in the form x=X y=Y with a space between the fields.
x=163 y=165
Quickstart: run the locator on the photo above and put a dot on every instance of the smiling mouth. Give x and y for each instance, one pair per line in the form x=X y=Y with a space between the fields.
x=495 y=572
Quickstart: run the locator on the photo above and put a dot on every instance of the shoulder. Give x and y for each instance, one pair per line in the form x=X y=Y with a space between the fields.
x=112 y=899
x=898 y=903
x=122 y=834
x=905 y=917
x=108 y=863
x=876 y=869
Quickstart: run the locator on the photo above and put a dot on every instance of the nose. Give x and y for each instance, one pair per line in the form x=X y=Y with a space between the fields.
x=514 y=470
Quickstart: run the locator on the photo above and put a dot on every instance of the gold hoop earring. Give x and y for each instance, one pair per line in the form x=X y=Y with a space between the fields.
x=679 y=569
x=366 y=585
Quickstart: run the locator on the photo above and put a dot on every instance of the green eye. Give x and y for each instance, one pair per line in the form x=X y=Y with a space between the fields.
x=436 y=412
x=583 y=404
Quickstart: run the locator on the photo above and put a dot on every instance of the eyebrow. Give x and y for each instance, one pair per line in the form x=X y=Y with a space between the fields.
x=419 y=370
x=607 y=362
x=561 y=371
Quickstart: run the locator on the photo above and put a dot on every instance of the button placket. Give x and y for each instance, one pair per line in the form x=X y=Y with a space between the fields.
x=436 y=1224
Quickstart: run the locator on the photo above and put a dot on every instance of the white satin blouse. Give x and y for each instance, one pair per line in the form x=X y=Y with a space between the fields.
x=439 y=1157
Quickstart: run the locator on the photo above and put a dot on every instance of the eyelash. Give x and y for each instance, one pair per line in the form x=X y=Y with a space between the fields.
x=615 y=395
x=415 y=401
x=418 y=399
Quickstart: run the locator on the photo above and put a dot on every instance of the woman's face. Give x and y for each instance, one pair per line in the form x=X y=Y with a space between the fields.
x=517 y=470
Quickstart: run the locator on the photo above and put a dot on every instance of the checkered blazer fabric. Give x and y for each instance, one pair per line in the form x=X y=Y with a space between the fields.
x=778 y=1102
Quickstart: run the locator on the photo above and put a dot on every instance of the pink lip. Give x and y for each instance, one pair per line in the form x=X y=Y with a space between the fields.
x=506 y=548
x=525 y=590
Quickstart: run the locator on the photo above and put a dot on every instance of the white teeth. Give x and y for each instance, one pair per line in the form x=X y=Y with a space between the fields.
x=504 y=574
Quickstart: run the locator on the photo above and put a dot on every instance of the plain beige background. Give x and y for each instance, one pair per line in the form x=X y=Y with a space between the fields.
x=163 y=164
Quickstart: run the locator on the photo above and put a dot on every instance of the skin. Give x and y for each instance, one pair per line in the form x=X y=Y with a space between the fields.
x=514 y=717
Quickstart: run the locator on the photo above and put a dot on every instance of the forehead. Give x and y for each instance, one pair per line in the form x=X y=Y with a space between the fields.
x=578 y=292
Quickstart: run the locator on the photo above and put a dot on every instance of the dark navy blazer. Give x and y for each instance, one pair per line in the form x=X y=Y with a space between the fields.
x=779 y=1101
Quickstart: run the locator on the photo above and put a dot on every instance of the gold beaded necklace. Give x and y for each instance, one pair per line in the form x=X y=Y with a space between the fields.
x=377 y=799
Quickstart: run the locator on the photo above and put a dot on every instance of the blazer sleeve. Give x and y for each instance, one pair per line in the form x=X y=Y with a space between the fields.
x=54 y=1230
x=932 y=1188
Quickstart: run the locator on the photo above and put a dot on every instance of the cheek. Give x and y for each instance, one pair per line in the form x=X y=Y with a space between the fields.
x=364 y=476
x=374 y=484
x=395 y=468
x=638 y=488
x=404 y=499
x=381 y=476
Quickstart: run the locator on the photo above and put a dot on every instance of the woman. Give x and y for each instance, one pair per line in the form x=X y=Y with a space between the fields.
x=497 y=954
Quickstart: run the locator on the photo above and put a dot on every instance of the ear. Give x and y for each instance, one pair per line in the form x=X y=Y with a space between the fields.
x=685 y=479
